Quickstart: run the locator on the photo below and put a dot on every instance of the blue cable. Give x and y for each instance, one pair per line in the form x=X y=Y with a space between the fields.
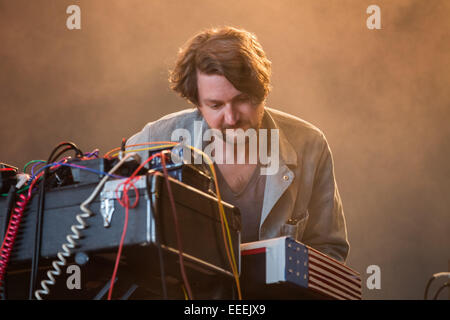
x=36 y=164
x=92 y=170
x=73 y=166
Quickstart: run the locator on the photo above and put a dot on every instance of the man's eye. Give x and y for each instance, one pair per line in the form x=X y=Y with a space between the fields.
x=215 y=106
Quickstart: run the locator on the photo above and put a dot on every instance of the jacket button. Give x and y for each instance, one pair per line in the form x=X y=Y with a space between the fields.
x=285 y=178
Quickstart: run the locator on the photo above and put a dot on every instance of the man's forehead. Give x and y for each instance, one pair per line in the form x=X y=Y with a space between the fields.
x=221 y=98
x=216 y=87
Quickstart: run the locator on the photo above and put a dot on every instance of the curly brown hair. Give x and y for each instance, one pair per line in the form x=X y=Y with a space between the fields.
x=233 y=53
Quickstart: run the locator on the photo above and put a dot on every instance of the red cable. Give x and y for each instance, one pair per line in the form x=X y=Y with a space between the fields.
x=13 y=227
x=119 y=252
x=177 y=230
x=11 y=233
x=124 y=202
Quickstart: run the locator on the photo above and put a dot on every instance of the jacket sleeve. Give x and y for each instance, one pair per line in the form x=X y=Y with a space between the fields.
x=141 y=137
x=326 y=230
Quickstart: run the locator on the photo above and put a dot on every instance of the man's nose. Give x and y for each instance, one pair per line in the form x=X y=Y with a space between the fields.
x=231 y=115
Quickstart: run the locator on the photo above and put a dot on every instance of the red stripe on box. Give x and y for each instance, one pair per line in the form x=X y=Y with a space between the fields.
x=327 y=268
x=327 y=291
x=334 y=286
x=334 y=261
x=253 y=251
x=337 y=280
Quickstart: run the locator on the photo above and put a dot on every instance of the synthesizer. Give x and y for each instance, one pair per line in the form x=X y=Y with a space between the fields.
x=283 y=268
x=150 y=224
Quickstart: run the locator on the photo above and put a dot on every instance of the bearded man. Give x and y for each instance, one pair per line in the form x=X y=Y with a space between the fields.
x=225 y=74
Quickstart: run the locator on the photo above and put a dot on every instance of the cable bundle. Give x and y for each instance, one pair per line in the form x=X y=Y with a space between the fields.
x=124 y=200
x=224 y=224
x=75 y=235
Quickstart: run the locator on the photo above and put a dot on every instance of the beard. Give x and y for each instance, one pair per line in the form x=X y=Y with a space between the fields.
x=237 y=134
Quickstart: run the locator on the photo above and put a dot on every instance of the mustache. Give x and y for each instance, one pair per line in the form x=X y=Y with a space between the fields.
x=239 y=125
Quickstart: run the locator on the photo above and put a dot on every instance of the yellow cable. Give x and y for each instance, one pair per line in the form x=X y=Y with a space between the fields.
x=185 y=293
x=138 y=144
x=144 y=149
x=222 y=212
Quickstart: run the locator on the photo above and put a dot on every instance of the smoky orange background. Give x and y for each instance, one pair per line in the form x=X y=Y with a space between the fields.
x=381 y=97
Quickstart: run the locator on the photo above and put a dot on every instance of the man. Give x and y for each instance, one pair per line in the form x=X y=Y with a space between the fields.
x=225 y=74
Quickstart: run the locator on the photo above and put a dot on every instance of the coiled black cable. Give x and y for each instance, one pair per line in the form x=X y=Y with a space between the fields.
x=39 y=215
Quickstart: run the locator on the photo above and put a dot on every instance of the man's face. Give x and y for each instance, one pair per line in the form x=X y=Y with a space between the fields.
x=225 y=107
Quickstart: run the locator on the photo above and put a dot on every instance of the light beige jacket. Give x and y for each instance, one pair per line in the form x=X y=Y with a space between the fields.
x=301 y=200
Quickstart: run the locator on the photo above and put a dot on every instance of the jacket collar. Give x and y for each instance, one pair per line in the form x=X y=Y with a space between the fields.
x=288 y=155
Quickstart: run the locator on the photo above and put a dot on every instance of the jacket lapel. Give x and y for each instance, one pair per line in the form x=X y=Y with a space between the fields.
x=278 y=183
